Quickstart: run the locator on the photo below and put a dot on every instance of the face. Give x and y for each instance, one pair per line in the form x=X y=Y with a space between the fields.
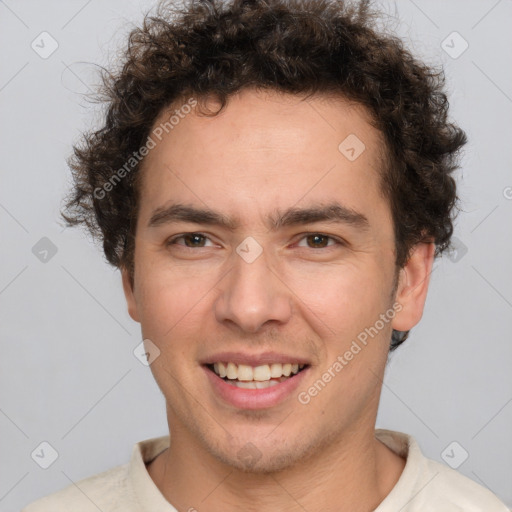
x=263 y=247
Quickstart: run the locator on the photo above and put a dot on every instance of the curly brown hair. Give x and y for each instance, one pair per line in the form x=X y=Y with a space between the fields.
x=218 y=47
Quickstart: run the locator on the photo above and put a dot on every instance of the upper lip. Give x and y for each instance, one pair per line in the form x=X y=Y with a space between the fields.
x=254 y=359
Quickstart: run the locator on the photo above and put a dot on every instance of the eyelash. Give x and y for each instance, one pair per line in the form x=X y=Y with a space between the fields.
x=172 y=240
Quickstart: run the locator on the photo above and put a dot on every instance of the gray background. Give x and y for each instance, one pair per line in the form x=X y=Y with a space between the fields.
x=67 y=369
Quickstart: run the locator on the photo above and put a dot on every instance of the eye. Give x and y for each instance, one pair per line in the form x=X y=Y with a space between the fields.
x=191 y=240
x=319 y=240
x=198 y=240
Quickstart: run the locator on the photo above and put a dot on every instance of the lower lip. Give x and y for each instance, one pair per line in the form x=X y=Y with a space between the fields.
x=254 y=398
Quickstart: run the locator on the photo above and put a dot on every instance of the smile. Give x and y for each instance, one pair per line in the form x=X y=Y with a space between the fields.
x=261 y=385
x=262 y=373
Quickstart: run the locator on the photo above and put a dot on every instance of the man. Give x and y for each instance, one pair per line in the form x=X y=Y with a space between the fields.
x=274 y=182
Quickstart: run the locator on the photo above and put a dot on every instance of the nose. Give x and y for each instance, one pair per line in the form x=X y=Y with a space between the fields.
x=252 y=295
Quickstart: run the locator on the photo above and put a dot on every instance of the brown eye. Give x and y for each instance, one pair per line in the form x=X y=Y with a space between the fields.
x=318 y=241
x=191 y=240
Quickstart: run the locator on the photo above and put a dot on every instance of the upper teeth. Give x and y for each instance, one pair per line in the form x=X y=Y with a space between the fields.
x=259 y=373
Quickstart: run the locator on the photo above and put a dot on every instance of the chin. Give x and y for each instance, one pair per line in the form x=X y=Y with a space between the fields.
x=274 y=457
x=257 y=463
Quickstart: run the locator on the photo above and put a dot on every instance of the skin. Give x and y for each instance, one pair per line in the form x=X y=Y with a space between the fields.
x=265 y=152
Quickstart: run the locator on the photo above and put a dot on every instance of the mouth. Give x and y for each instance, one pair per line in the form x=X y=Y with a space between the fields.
x=254 y=381
x=255 y=377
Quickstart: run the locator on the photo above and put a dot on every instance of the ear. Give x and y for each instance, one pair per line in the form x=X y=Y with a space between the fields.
x=129 y=294
x=413 y=286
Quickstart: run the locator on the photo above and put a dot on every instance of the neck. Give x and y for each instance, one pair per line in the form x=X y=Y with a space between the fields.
x=353 y=473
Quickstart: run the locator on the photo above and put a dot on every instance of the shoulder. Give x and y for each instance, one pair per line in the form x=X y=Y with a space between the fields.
x=429 y=486
x=449 y=487
x=98 y=492
x=116 y=490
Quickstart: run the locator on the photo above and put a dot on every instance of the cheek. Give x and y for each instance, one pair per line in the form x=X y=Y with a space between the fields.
x=172 y=305
x=348 y=301
x=170 y=300
x=346 y=297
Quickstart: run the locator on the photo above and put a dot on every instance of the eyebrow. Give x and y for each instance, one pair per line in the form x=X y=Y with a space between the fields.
x=332 y=212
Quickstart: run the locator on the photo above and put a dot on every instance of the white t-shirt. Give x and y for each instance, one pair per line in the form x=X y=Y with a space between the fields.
x=424 y=485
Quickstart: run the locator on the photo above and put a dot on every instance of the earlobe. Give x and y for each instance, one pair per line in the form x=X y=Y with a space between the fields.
x=413 y=286
x=129 y=294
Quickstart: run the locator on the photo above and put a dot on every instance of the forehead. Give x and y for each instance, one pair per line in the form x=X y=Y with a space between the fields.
x=265 y=149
